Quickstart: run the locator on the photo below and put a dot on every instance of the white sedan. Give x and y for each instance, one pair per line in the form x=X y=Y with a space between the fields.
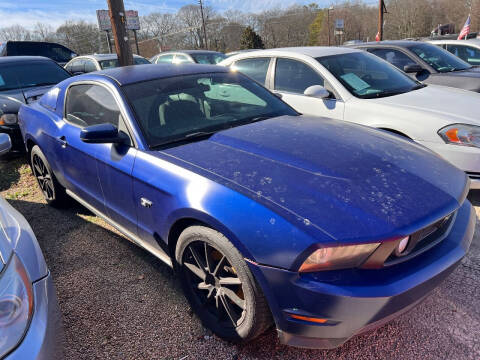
x=353 y=85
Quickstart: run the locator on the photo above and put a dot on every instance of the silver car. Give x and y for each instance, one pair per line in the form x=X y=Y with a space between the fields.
x=30 y=321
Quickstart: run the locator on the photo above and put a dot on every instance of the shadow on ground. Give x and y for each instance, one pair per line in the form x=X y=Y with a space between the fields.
x=10 y=171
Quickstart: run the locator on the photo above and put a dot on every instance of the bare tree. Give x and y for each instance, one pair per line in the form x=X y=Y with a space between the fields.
x=15 y=33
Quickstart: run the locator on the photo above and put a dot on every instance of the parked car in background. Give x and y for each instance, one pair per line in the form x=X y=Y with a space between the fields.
x=88 y=63
x=24 y=79
x=353 y=85
x=231 y=53
x=427 y=63
x=58 y=53
x=188 y=56
x=30 y=320
x=263 y=212
x=467 y=50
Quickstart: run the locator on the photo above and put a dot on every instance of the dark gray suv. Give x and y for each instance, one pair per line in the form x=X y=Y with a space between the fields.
x=427 y=63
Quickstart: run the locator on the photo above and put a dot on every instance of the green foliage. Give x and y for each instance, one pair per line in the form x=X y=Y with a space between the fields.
x=251 y=40
x=315 y=29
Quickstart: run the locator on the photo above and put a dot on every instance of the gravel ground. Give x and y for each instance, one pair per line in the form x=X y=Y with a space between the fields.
x=119 y=302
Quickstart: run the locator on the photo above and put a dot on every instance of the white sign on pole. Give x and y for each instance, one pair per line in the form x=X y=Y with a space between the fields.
x=104 y=24
x=339 y=24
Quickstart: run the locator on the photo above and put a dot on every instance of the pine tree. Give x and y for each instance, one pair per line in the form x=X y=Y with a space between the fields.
x=315 y=29
x=251 y=40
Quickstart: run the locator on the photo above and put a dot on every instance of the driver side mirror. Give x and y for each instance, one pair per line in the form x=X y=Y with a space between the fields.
x=5 y=144
x=412 y=68
x=103 y=134
x=317 y=91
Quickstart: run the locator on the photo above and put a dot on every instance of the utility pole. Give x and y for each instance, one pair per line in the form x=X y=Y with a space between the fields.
x=328 y=23
x=381 y=10
x=203 y=25
x=116 y=10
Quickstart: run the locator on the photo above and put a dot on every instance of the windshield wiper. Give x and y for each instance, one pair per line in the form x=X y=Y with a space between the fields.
x=190 y=137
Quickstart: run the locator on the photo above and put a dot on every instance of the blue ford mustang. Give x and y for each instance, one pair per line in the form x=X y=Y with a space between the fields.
x=325 y=228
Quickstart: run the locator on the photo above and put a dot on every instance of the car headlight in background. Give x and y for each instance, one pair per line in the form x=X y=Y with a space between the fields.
x=16 y=305
x=461 y=134
x=8 y=119
x=338 y=257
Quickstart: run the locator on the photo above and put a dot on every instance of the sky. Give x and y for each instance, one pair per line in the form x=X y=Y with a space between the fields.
x=55 y=12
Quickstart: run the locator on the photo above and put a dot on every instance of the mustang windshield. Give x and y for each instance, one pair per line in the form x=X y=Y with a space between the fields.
x=441 y=60
x=367 y=76
x=182 y=108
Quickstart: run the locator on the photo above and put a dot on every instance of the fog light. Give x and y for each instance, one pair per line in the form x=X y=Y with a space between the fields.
x=402 y=246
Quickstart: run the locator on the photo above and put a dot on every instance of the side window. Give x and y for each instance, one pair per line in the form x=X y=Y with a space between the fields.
x=394 y=57
x=466 y=53
x=88 y=105
x=180 y=59
x=165 y=59
x=254 y=68
x=90 y=66
x=295 y=76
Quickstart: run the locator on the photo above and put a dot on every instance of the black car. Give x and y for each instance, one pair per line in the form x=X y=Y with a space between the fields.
x=24 y=79
x=57 y=52
x=427 y=63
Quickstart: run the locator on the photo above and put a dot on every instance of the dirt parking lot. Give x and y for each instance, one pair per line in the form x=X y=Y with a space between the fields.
x=119 y=302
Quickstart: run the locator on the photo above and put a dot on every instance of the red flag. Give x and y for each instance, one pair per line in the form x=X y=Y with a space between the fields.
x=377 y=37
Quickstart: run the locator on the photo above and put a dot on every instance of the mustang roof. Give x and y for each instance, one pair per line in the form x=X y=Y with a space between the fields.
x=133 y=74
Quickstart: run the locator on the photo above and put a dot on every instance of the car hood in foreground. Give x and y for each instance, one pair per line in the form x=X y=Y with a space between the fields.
x=448 y=104
x=348 y=181
x=17 y=236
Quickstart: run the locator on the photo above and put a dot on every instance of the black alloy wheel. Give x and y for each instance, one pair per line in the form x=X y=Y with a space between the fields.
x=44 y=177
x=219 y=285
x=215 y=282
x=52 y=191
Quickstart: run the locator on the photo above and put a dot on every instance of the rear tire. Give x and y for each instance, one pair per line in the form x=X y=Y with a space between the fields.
x=219 y=285
x=52 y=191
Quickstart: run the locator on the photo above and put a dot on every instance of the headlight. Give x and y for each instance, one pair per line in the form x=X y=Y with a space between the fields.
x=338 y=257
x=16 y=305
x=8 y=119
x=461 y=134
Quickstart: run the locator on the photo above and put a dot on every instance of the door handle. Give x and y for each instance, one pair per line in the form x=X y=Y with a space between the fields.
x=63 y=141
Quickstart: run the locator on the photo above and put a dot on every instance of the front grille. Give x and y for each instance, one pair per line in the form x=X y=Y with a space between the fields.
x=423 y=240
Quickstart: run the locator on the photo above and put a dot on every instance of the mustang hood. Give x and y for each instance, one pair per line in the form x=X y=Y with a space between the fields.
x=348 y=181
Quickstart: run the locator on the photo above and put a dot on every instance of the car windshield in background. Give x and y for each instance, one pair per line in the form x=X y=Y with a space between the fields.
x=113 y=63
x=208 y=58
x=30 y=75
x=367 y=76
x=183 y=107
x=55 y=52
x=439 y=59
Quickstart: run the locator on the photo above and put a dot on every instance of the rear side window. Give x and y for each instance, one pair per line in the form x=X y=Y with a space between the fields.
x=88 y=105
x=295 y=76
x=165 y=59
x=90 y=66
x=394 y=57
x=254 y=68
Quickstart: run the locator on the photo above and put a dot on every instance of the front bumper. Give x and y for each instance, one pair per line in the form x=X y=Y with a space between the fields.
x=466 y=158
x=44 y=338
x=354 y=301
x=16 y=136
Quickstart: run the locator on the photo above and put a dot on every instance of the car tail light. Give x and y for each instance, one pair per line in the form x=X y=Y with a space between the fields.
x=338 y=257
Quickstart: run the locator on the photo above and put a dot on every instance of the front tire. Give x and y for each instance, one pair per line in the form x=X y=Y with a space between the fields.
x=219 y=285
x=52 y=191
